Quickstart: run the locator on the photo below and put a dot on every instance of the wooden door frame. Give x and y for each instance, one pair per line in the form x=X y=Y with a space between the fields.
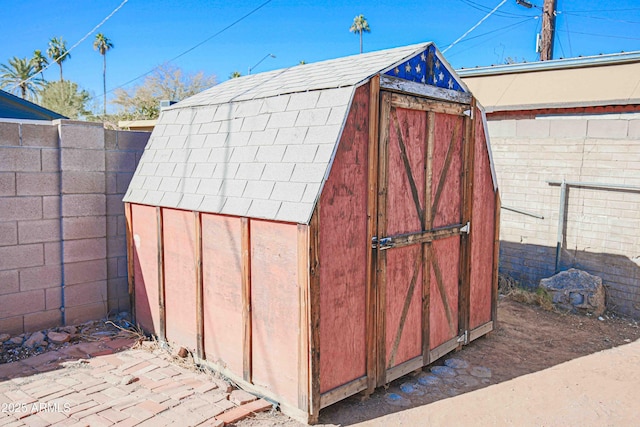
x=380 y=107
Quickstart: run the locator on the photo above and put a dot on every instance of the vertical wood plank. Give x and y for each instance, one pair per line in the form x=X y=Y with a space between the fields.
x=383 y=182
x=161 y=297
x=246 y=299
x=130 y=259
x=496 y=262
x=199 y=287
x=314 y=313
x=303 y=326
x=467 y=216
x=372 y=223
x=426 y=249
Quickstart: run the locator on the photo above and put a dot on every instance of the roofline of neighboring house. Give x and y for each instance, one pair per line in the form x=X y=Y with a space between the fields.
x=30 y=107
x=554 y=64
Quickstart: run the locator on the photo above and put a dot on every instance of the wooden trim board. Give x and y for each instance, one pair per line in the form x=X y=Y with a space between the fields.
x=303 y=338
x=130 y=259
x=372 y=227
x=246 y=299
x=337 y=394
x=199 y=287
x=314 y=316
x=405 y=86
x=161 y=297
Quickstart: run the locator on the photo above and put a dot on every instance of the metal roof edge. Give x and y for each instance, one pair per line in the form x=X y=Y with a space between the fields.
x=554 y=64
x=545 y=106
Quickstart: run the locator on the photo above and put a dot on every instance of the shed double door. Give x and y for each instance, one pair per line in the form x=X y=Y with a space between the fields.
x=419 y=244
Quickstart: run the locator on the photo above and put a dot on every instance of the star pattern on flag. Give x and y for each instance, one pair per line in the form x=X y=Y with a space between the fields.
x=426 y=68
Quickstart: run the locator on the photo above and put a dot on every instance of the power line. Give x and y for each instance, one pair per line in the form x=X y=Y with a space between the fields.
x=603 y=35
x=475 y=26
x=484 y=8
x=602 y=18
x=506 y=27
x=67 y=52
x=499 y=32
x=190 y=49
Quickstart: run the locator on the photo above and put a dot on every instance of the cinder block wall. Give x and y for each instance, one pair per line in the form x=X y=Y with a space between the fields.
x=62 y=221
x=601 y=231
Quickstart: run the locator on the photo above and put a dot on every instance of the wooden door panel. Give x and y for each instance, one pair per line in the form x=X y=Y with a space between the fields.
x=443 y=307
x=405 y=199
x=403 y=339
x=446 y=186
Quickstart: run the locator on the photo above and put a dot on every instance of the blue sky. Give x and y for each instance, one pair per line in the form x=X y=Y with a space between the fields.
x=147 y=33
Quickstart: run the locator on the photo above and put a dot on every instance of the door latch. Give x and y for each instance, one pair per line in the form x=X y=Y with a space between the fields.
x=466 y=228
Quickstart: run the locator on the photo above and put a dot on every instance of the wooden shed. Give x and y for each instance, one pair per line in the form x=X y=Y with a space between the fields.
x=321 y=230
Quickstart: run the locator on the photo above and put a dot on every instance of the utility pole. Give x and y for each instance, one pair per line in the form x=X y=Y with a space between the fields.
x=548 y=30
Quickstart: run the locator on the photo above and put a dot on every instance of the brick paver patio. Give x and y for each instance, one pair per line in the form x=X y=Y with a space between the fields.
x=107 y=383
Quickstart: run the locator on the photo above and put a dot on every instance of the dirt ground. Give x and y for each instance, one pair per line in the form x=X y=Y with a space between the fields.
x=528 y=339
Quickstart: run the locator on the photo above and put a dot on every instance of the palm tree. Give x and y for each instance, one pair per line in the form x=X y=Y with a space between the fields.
x=359 y=26
x=39 y=61
x=21 y=75
x=235 y=75
x=102 y=44
x=58 y=52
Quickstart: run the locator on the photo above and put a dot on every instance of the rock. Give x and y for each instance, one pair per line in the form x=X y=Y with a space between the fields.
x=71 y=330
x=128 y=379
x=16 y=340
x=35 y=340
x=396 y=400
x=468 y=380
x=58 y=337
x=412 y=389
x=456 y=363
x=182 y=352
x=576 y=291
x=429 y=380
x=4 y=337
x=443 y=371
x=480 y=372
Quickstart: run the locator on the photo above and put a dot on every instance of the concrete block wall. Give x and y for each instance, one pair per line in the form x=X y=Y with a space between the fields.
x=59 y=188
x=601 y=228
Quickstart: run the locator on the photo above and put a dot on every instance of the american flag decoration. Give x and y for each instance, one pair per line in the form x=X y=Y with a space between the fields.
x=426 y=68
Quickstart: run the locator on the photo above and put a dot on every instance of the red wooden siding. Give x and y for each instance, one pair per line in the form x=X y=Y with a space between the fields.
x=483 y=231
x=343 y=246
x=145 y=266
x=275 y=307
x=180 y=276
x=222 y=296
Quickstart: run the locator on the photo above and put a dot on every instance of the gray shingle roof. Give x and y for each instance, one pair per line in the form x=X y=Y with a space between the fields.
x=258 y=146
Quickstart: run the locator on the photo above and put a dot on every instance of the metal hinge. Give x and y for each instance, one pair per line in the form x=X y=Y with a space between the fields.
x=466 y=228
x=382 y=244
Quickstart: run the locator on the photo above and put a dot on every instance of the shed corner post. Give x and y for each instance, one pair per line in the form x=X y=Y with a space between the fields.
x=311 y=272
x=199 y=287
x=496 y=262
x=372 y=227
x=247 y=362
x=464 y=307
x=130 y=260
x=161 y=296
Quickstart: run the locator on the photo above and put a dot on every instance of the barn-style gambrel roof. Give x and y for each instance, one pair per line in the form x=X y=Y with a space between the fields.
x=261 y=146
